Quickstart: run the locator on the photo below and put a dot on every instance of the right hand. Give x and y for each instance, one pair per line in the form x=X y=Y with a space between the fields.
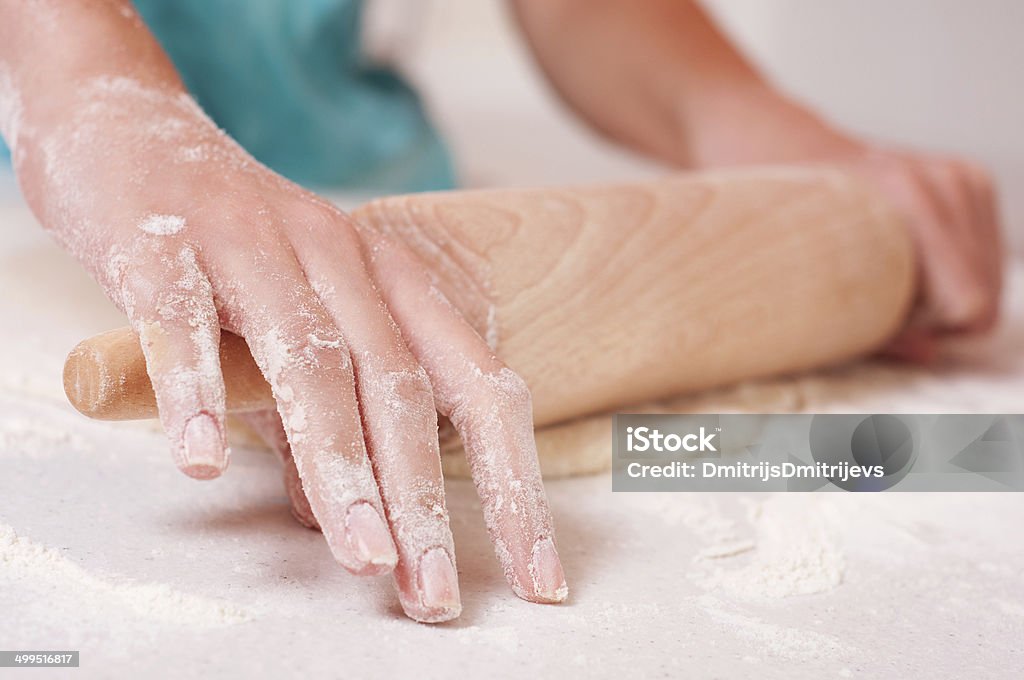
x=948 y=205
x=950 y=208
x=188 y=234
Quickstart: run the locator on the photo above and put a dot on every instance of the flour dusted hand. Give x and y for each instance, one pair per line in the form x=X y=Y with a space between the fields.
x=188 y=234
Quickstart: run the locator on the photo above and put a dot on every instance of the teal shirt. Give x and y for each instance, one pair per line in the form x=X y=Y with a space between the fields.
x=286 y=79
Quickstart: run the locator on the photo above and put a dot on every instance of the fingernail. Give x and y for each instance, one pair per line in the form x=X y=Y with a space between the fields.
x=437 y=581
x=546 y=570
x=205 y=456
x=369 y=539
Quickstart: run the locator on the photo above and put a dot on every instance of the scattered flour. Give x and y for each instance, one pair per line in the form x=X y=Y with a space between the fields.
x=194 y=154
x=793 y=644
x=321 y=343
x=788 y=546
x=725 y=549
x=794 y=552
x=162 y=225
x=324 y=289
x=505 y=638
x=75 y=594
x=491 y=329
x=700 y=514
x=35 y=437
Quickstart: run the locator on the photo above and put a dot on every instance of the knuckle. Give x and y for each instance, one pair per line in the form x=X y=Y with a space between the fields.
x=510 y=390
x=136 y=285
x=903 y=165
x=413 y=387
x=972 y=169
x=317 y=215
x=403 y=390
x=325 y=224
x=171 y=287
x=989 y=318
x=981 y=179
x=969 y=307
x=964 y=173
x=312 y=215
x=237 y=208
x=298 y=347
x=368 y=214
x=502 y=392
x=949 y=173
x=905 y=178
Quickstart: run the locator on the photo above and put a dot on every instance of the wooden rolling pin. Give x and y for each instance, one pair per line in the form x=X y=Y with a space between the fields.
x=609 y=295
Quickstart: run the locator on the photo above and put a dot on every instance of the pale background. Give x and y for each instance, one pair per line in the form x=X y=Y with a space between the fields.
x=938 y=74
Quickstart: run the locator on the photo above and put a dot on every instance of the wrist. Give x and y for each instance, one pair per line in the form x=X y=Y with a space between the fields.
x=75 y=164
x=753 y=124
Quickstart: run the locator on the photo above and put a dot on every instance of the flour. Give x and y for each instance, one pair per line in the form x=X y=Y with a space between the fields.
x=699 y=514
x=505 y=638
x=297 y=420
x=491 y=328
x=10 y=108
x=794 y=551
x=280 y=356
x=727 y=549
x=76 y=594
x=194 y=154
x=37 y=438
x=788 y=545
x=324 y=289
x=162 y=225
x=793 y=644
x=322 y=343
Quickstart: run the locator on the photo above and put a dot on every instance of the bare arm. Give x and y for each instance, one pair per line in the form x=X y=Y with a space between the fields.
x=49 y=49
x=656 y=75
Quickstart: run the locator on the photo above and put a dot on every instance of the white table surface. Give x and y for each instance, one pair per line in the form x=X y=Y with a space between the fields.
x=148 y=572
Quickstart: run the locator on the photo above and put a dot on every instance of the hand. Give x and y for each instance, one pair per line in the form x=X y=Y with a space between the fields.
x=188 y=234
x=948 y=203
x=950 y=208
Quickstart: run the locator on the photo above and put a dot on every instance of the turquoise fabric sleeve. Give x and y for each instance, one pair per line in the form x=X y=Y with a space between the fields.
x=285 y=78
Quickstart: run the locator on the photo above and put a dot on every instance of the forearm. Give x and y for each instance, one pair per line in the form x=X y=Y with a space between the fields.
x=51 y=48
x=660 y=77
x=88 y=99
